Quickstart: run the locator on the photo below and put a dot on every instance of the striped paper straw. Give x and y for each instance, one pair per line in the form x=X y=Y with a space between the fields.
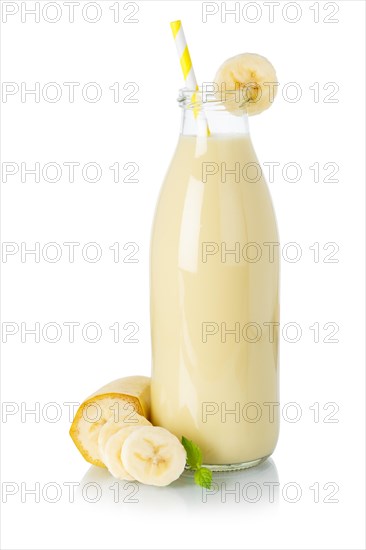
x=187 y=67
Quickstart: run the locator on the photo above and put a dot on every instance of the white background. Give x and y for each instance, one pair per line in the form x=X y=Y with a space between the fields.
x=105 y=292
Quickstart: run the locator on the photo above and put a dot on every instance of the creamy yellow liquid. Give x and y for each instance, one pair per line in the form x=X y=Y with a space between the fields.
x=200 y=373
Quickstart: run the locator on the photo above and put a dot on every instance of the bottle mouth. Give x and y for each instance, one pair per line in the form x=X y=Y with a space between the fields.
x=212 y=98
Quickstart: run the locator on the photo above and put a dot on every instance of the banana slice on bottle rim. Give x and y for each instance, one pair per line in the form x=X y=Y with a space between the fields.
x=246 y=81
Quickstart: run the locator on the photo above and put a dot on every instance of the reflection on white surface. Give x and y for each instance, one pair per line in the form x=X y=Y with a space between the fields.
x=254 y=487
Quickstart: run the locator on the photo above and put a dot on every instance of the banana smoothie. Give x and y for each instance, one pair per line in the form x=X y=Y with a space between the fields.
x=214 y=306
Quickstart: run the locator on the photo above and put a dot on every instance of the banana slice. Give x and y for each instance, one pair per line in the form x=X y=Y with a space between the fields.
x=153 y=456
x=112 y=426
x=112 y=452
x=114 y=400
x=253 y=80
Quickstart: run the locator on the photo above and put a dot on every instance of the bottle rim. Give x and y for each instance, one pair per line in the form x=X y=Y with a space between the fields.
x=207 y=100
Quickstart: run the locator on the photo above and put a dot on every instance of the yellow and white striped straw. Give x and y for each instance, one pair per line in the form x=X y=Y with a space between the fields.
x=187 y=67
x=184 y=56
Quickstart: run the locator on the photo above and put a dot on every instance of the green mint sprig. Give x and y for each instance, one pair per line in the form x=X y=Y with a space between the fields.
x=202 y=476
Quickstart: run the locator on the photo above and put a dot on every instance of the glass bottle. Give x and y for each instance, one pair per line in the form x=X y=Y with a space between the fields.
x=215 y=291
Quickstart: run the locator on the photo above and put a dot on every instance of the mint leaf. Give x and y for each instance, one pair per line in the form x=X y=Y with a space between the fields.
x=203 y=477
x=194 y=453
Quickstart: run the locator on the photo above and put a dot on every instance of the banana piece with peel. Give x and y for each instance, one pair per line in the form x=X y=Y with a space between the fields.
x=126 y=398
x=246 y=81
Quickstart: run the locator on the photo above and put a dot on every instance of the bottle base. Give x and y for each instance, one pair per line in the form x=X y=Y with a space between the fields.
x=236 y=466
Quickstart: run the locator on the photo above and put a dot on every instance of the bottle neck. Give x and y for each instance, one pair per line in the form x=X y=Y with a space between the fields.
x=208 y=121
